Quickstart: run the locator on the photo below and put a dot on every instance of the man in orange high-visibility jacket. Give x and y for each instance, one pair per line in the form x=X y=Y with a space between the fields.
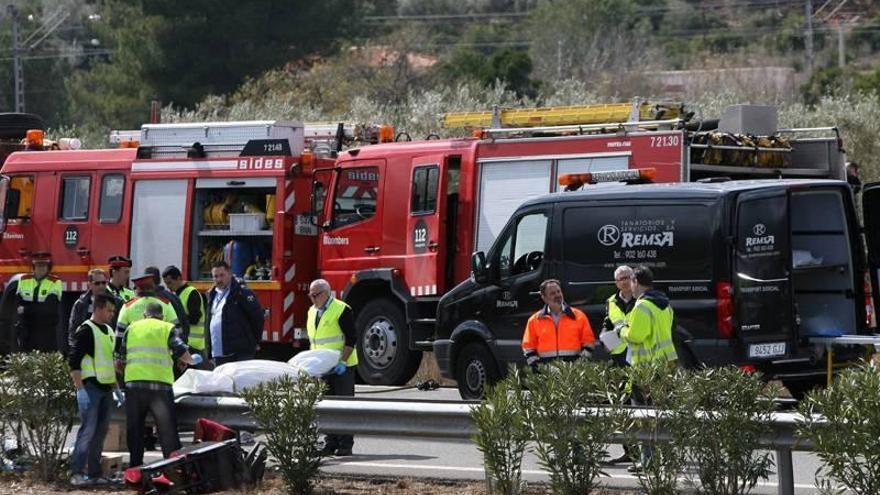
x=558 y=331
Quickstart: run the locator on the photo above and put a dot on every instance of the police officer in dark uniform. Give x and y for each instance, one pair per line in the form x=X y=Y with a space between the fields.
x=36 y=297
x=120 y=271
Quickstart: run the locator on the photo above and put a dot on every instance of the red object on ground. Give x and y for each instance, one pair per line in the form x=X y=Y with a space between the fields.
x=212 y=431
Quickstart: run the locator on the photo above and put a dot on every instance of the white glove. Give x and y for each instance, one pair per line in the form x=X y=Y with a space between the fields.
x=119 y=397
x=586 y=353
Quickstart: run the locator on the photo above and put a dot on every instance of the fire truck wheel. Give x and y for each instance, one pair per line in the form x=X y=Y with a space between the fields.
x=16 y=125
x=384 y=357
x=474 y=369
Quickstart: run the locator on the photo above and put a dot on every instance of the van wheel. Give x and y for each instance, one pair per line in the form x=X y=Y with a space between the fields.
x=800 y=388
x=475 y=368
x=16 y=125
x=384 y=357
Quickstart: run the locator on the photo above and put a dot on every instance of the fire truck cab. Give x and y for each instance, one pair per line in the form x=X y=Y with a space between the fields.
x=185 y=195
x=399 y=221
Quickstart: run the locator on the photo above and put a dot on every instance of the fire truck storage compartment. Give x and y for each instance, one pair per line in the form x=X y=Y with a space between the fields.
x=822 y=263
x=230 y=222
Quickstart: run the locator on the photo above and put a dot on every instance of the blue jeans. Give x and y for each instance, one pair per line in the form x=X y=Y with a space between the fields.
x=94 y=423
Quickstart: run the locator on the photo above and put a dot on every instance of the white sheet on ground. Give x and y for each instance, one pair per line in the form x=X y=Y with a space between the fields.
x=315 y=363
x=203 y=382
x=253 y=372
x=231 y=378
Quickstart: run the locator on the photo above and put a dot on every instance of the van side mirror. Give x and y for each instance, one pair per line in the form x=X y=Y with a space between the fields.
x=478 y=267
x=8 y=201
x=315 y=213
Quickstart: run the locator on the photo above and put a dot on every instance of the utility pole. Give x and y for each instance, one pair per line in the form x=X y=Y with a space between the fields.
x=17 y=68
x=808 y=39
x=841 y=43
x=20 y=47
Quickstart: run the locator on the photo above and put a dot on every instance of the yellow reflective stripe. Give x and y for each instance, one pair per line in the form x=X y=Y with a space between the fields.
x=151 y=350
x=549 y=354
x=330 y=340
x=145 y=360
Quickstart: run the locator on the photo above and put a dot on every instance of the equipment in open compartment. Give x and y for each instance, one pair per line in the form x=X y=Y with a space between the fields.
x=234 y=226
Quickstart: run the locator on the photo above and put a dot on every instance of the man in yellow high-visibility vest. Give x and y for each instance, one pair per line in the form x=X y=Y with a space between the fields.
x=36 y=297
x=149 y=347
x=330 y=325
x=91 y=369
x=193 y=304
x=617 y=308
x=648 y=335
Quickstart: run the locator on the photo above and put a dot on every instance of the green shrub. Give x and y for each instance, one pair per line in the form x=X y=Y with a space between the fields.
x=42 y=402
x=285 y=410
x=570 y=433
x=728 y=411
x=502 y=434
x=843 y=421
x=660 y=384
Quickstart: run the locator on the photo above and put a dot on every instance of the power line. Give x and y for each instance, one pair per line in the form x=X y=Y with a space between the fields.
x=64 y=54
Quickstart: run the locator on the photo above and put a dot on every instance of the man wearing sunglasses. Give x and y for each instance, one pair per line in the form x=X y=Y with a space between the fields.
x=84 y=306
x=330 y=325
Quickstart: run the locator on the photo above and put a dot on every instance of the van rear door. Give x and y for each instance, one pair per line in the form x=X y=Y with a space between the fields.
x=762 y=277
x=871 y=210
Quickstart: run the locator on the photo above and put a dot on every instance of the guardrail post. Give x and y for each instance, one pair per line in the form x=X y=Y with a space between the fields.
x=785 y=471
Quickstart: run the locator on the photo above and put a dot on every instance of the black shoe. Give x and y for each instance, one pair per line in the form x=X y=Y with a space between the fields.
x=343 y=452
x=621 y=459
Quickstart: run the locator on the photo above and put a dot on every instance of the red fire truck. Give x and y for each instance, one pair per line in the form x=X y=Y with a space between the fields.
x=401 y=220
x=184 y=195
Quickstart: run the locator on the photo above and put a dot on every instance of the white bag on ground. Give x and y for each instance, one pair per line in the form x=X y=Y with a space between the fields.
x=249 y=373
x=203 y=382
x=317 y=362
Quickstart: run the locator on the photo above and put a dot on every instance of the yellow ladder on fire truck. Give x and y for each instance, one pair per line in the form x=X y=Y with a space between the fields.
x=569 y=115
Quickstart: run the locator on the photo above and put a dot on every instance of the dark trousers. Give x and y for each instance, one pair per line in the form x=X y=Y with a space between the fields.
x=37 y=338
x=341 y=385
x=619 y=361
x=94 y=423
x=159 y=403
x=232 y=358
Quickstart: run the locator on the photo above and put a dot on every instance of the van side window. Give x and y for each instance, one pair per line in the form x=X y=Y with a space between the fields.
x=112 y=190
x=20 y=198
x=424 y=190
x=523 y=250
x=357 y=194
x=75 y=198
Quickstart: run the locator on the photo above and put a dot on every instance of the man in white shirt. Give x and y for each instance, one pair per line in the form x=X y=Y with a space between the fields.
x=234 y=319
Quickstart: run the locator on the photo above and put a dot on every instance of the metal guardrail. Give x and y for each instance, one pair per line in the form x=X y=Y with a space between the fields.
x=450 y=419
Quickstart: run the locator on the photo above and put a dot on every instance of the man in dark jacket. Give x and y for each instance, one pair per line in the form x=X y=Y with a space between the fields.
x=234 y=320
x=179 y=310
x=83 y=307
x=36 y=297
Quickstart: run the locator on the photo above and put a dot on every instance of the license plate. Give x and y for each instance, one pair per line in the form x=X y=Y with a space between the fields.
x=771 y=349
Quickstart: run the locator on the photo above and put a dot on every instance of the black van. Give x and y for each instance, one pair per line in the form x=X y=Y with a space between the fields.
x=753 y=269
